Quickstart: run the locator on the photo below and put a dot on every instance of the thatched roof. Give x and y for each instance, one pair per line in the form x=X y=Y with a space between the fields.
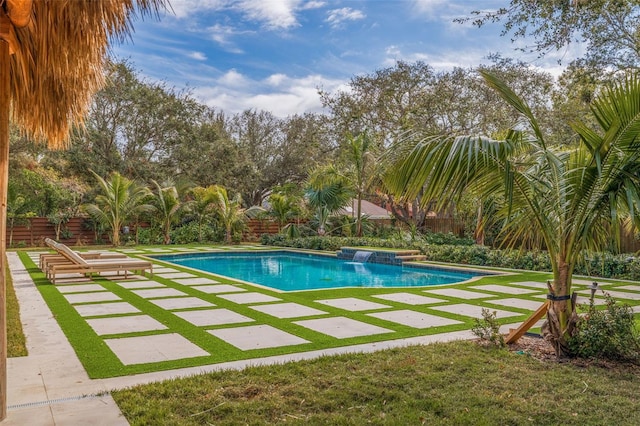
x=58 y=56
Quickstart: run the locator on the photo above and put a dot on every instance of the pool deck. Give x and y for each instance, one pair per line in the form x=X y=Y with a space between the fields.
x=51 y=386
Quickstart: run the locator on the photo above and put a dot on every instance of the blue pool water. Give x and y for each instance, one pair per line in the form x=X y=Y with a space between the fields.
x=290 y=271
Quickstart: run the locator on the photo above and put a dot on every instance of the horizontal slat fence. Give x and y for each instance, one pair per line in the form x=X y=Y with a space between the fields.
x=443 y=226
x=39 y=228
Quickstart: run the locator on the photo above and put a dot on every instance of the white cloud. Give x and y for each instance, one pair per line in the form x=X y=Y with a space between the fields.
x=274 y=14
x=198 y=56
x=280 y=94
x=276 y=79
x=277 y=14
x=313 y=5
x=337 y=17
x=233 y=78
x=429 y=8
x=185 y=8
x=221 y=34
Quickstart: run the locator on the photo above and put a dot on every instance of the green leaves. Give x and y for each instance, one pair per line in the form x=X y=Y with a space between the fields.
x=562 y=197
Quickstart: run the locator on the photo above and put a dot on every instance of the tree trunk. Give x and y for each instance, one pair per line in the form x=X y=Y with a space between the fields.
x=479 y=232
x=561 y=316
x=359 y=217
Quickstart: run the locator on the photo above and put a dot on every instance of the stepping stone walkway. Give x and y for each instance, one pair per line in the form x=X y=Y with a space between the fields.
x=208 y=317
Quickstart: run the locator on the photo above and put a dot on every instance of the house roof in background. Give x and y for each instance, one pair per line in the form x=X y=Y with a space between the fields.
x=368 y=209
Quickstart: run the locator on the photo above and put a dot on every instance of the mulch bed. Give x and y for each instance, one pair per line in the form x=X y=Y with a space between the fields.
x=538 y=348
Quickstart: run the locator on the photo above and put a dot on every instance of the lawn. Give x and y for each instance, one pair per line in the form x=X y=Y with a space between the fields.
x=16 y=345
x=440 y=384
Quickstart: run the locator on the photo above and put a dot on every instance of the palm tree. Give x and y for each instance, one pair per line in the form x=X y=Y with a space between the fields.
x=327 y=192
x=283 y=208
x=51 y=54
x=229 y=211
x=121 y=200
x=572 y=199
x=360 y=159
x=201 y=206
x=168 y=206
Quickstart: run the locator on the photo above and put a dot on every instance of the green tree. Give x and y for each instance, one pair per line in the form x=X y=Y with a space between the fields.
x=120 y=200
x=168 y=206
x=327 y=192
x=610 y=29
x=18 y=210
x=360 y=163
x=201 y=207
x=572 y=199
x=229 y=211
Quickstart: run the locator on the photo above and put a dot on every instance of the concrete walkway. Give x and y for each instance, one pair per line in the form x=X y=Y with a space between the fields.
x=50 y=386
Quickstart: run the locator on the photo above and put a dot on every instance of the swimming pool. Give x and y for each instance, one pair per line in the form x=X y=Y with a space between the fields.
x=289 y=271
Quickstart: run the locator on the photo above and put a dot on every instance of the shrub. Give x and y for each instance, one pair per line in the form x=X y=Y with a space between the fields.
x=607 y=334
x=487 y=329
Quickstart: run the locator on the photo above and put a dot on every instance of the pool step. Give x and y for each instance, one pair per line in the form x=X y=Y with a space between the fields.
x=412 y=257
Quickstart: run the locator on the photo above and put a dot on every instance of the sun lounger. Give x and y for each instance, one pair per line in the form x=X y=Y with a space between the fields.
x=79 y=265
x=51 y=258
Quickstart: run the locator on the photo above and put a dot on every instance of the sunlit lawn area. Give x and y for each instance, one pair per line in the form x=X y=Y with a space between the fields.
x=15 y=337
x=443 y=384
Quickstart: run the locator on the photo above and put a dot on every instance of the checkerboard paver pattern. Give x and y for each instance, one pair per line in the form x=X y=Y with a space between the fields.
x=210 y=303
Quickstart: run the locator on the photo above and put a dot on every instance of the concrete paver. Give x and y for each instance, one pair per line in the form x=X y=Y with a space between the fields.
x=459 y=293
x=352 y=304
x=249 y=297
x=204 y=317
x=473 y=310
x=342 y=328
x=257 y=337
x=127 y=324
x=413 y=319
x=409 y=298
x=155 y=348
x=287 y=310
x=111 y=308
x=174 y=303
x=103 y=296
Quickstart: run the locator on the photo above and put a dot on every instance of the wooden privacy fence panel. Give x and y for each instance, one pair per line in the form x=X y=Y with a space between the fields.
x=443 y=226
x=39 y=228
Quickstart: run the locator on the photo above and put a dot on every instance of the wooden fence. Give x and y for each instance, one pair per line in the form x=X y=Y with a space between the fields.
x=32 y=234
x=444 y=226
x=79 y=232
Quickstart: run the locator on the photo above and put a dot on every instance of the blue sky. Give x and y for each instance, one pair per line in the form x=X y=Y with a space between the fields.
x=274 y=54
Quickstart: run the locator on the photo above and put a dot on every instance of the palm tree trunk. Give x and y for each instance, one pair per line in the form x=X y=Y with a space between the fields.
x=4 y=180
x=561 y=316
x=359 y=216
